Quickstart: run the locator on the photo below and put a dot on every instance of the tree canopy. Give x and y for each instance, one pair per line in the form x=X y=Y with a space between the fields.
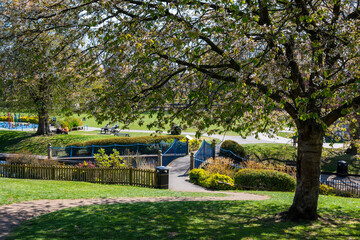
x=225 y=63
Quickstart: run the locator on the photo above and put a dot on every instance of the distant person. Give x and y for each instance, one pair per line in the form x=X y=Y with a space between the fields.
x=106 y=128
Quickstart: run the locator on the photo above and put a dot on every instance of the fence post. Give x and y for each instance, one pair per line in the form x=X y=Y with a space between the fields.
x=214 y=150
x=187 y=147
x=130 y=176
x=49 y=151
x=192 y=162
x=159 y=162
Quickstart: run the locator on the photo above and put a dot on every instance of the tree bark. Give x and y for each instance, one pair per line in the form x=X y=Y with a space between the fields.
x=310 y=143
x=44 y=127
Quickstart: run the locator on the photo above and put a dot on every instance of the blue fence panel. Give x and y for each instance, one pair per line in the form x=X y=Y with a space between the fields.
x=228 y=153
x=205 y=152
x=176 y=147
x=179 y=149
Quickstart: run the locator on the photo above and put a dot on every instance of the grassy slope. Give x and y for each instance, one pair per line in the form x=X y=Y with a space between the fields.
x=16 y=141
x=196 y=220
x=271 y=150
x=18 y=190
x=26 y=142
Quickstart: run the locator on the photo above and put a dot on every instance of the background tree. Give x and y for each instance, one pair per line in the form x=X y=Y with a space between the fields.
x=228 y=63
x=37 y=67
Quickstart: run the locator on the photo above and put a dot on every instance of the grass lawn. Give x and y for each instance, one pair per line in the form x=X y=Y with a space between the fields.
x=196 y=220
x=26 y=142
x=271 y=151
x=18 y=141
x=18 y=190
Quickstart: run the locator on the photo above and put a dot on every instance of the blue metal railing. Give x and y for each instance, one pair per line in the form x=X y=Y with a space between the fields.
x=176 y=150
x=205 y=151
x=346 y=186
x=176 y=147
x=228 y=153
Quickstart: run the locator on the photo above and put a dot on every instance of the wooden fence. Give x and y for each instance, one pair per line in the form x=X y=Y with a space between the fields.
x=125 y=176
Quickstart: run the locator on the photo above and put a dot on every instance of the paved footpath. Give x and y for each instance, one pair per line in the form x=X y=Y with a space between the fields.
x=178 y=179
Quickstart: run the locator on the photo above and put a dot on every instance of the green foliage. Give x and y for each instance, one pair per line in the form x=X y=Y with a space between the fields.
x=208 y=180
x=326 y=190
x=233 y=147
x=127 y=140
x=70 y=122
x=331 y=191
x=274 y=151
x=198 y=175
x=258 y=179
x=194 y=144
x=219 y=182
x=25 y=119
x=114 y=160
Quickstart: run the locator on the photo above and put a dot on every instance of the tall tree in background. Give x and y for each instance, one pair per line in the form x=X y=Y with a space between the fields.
x=37 y=70
x=226 y=63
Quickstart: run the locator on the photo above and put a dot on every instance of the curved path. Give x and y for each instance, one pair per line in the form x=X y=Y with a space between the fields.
x=13 y=214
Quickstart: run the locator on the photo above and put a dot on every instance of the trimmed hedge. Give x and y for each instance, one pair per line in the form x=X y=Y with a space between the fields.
x=128 y=140
x=233 y=147
x=259 y=179
x=205 y=179
x=213 y=182
x=198 y=175
x=152 y=149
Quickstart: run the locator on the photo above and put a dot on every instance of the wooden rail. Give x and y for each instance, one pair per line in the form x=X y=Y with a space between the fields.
x=125 y=176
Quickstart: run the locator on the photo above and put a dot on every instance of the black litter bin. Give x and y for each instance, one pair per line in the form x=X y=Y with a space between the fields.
x=162 y=177
x=342 y=168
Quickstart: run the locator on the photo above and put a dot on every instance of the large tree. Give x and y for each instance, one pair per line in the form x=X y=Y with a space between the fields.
x=235 y=64
x=37 y=71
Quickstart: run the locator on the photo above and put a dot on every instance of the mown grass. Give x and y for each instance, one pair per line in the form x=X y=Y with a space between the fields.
x=196 y=220
x=271 y=151
x=18 y=190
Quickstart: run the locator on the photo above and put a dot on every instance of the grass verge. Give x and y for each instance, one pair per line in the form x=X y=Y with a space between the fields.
x=18 y=190
x=196 y=220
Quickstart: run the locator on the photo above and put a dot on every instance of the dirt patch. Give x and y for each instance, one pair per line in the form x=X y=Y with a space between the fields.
x=13 y=214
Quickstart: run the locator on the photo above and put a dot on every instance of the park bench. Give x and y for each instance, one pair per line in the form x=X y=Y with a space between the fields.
x=102 y=131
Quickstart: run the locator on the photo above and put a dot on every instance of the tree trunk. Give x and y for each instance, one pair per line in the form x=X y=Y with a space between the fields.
x=310 y=143
x=44 y=127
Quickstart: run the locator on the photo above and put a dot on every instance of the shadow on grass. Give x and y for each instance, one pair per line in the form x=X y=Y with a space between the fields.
x=9 y=139
x=178 y=220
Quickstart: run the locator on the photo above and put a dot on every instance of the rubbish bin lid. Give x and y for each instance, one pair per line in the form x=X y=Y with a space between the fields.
x=162 y=168
x=342 y=162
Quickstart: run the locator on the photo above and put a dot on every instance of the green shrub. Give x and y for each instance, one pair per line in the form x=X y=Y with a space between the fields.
x=259 y=179
x=114 y=160
x=326 y=190
x=144 y=148
x=233 y=147
x=70 y=122
x=218 y=181
x=198 y=175
x=128 y=140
